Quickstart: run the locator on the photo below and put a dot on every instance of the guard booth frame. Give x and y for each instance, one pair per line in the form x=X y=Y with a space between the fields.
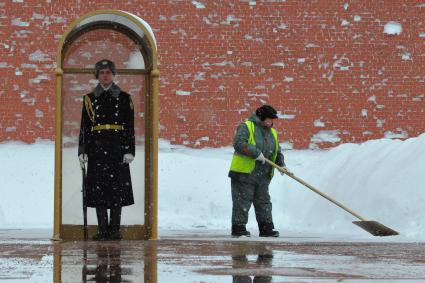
x=138 y=31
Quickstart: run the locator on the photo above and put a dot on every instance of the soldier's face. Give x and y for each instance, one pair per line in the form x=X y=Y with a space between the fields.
x=105 y=77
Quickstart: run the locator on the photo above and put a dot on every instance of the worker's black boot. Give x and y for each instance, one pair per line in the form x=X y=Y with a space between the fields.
x=266 y=230
x=102 y=224
x=239 y=230
x=114 y=224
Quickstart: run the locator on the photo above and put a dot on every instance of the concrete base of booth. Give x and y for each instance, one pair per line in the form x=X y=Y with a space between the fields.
x=75 y=232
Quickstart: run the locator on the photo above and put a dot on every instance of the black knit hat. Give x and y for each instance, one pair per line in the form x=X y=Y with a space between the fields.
x=266 y=111
x=104 y=64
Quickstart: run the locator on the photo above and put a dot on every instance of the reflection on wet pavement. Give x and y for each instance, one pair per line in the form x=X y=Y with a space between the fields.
x=198 y=258
x=240 y=261
x=106 y=267
x=100 y=262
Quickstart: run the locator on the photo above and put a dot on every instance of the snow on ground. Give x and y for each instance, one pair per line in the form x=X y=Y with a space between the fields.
x=381 y=180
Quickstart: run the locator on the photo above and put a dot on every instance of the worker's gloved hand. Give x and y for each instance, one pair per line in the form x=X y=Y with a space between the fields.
x=128 y=158
x=261 y=158
x=287 y=170
x=83 y=159
x=281 y=173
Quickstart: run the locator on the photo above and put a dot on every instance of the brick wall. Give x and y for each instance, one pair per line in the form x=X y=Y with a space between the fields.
x=327 y=66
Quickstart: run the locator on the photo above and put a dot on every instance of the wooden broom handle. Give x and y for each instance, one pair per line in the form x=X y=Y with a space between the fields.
x=290 y=174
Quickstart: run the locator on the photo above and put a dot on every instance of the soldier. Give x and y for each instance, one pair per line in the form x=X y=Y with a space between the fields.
x=107 y=144
x=255 y=140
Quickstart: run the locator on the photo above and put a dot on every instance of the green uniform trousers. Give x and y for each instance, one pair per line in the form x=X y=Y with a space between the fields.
x=244 y=194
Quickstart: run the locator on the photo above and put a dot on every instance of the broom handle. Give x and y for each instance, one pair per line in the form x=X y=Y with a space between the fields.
x=315 y=190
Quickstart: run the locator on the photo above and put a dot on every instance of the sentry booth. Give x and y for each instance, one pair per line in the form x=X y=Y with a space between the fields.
x=128 y=41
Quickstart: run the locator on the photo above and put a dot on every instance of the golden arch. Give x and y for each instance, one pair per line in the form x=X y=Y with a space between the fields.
x=139 y=32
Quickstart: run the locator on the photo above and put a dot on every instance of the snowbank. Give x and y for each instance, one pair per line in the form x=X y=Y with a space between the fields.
x=381 y=180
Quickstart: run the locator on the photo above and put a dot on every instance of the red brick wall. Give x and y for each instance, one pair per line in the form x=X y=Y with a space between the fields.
x=327 y=66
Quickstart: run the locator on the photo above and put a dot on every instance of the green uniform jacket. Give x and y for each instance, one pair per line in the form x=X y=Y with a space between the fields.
x=264 y=143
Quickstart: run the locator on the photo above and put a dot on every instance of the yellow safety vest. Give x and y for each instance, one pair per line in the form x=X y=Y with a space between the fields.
x=244 y=164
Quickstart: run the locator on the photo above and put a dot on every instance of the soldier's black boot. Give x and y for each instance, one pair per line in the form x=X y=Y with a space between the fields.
x=102 y=224
x=239 y=230
x=114 y=224
x=266 y=230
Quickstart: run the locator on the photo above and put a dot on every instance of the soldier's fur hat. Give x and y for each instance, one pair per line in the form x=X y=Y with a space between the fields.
x=266 y=111
x=104 y=64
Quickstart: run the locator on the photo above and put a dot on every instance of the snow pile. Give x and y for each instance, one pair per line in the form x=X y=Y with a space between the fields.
x=26 y=189
x=381 y=180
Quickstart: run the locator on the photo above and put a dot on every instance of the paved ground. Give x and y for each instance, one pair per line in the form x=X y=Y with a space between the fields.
x=209 y=256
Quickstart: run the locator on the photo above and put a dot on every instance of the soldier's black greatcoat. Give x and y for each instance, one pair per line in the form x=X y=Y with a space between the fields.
x=108 y=178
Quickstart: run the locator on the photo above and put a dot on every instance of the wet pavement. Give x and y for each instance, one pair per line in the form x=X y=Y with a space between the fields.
x=209 y=256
